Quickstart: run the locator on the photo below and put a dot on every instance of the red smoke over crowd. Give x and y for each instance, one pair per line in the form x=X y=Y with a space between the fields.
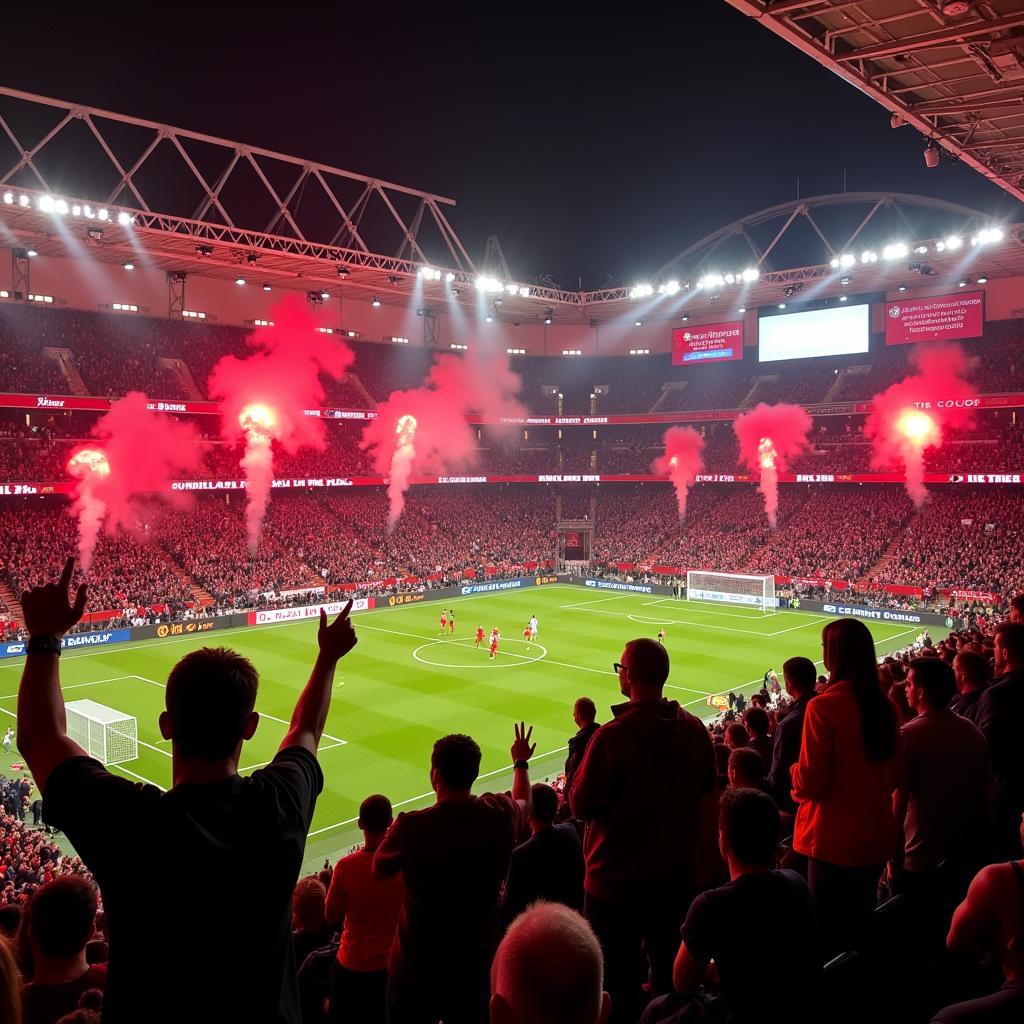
x=770 y=436
x=917 y=412
x=439 y=440
x=682 y=461
x=138 y=452
x=264 y=396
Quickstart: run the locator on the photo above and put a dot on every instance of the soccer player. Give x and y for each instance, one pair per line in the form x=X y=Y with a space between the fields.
x=444 y=622
x=533 y=627
x=495 y=637
x=451 y=620
x=661 y=636
x=527 y=633
x=479 y=636
x=8 y=736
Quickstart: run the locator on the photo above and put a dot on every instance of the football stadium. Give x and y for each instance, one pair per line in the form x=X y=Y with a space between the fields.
x=389 y=632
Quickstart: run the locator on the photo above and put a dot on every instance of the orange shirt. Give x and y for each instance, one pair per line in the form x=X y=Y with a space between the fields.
x=371 y=905
x=844 y=814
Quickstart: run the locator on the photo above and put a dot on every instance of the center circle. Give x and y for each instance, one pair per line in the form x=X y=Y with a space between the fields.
x=479 y=656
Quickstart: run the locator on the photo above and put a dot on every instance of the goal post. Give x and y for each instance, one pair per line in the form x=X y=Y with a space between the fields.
x=732 y=588
x=106 y=734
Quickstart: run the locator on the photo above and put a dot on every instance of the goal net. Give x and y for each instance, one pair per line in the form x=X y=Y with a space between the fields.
x=109 y=735
x=732 y=588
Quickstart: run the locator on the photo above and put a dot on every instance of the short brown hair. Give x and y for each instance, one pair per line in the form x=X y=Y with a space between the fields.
x=308 y=902
x=210 y=694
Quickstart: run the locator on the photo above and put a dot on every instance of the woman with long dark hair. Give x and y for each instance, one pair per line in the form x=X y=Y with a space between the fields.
x=843 y=784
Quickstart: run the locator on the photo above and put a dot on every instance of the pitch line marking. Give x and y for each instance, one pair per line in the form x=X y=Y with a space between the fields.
x=653 y=622
x=547 y=661
x=688 y=622
x=525 y=658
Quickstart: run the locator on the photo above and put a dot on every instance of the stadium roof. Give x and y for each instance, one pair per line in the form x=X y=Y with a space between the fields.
x=80 y=182
x=953 y=69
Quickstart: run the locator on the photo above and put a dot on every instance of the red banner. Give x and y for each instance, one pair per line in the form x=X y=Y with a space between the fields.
x=15 y=489
x=937 y=318
x=708 y=343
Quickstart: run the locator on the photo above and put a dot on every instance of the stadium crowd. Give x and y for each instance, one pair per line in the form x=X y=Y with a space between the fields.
x=842 y=819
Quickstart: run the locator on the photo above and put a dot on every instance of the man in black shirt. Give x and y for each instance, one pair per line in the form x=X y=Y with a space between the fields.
x=757 y=909
x=199 y=927
x=1000 y=712
x=584 y=713
x=549 y=865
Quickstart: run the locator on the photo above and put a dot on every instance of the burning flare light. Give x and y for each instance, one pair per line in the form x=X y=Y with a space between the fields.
x=401 y=467
x=257 y=422
x=88 y=466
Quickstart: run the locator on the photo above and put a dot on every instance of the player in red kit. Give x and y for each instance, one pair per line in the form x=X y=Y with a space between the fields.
x=451 y=620
x=479 y=636
x=444 y=622
x=527 y=633
x=495 y=637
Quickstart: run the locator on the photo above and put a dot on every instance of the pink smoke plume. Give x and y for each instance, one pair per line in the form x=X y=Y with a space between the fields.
x=424 y=430
x=917 y=412
x=682 y=461
x=264 y=396
x=770 y=436
x=138 y=452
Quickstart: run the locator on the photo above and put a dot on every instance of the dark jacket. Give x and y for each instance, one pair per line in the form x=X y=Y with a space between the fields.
x=577 y=748
x=1000 y=712
x=967 y=705
x=786 y=753
x=639 y=789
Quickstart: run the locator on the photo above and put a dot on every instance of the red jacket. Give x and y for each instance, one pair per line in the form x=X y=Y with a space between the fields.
x=639 y=790
x=845 y=814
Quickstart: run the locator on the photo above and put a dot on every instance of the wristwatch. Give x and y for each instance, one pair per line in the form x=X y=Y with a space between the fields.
x=521 y=764
x=43 y=644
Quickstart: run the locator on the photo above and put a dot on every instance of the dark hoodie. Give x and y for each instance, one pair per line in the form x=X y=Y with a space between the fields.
x=639 y=789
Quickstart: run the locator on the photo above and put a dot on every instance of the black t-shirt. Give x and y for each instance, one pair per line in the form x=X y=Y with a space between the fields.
x=197 y=886
x=549 y=866
x=743 y=926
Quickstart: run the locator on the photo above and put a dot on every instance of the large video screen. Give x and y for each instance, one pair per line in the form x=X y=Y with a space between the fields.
x=838 y=331
x=707 y=343
x=937 y=318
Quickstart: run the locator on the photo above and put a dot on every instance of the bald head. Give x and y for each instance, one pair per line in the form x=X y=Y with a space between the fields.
x=645 y=668
x=548 y=970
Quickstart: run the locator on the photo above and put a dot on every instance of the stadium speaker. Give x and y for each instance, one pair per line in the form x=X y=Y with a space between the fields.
x=931 y=155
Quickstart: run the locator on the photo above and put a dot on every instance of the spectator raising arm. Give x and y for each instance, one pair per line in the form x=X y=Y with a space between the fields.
x=310 y=714
x=522 y=751
x=42 y=725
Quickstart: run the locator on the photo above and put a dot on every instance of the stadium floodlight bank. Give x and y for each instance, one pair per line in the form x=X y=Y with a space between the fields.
x=110 y=736
x=732 y=588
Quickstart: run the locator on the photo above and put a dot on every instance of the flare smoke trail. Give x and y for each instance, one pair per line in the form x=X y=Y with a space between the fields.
x=279 y=380
x=138 y=452
x=770 y=436
x=917 y=412
x=439 y=440
x=682 y=461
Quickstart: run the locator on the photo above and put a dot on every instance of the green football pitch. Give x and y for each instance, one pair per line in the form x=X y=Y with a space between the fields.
x=405 y=685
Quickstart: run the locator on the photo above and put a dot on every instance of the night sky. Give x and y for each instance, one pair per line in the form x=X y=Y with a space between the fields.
x=595 y=146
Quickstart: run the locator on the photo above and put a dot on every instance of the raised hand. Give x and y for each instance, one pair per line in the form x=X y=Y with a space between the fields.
x=338 y=638
x=48 y=611
x=522 y=748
